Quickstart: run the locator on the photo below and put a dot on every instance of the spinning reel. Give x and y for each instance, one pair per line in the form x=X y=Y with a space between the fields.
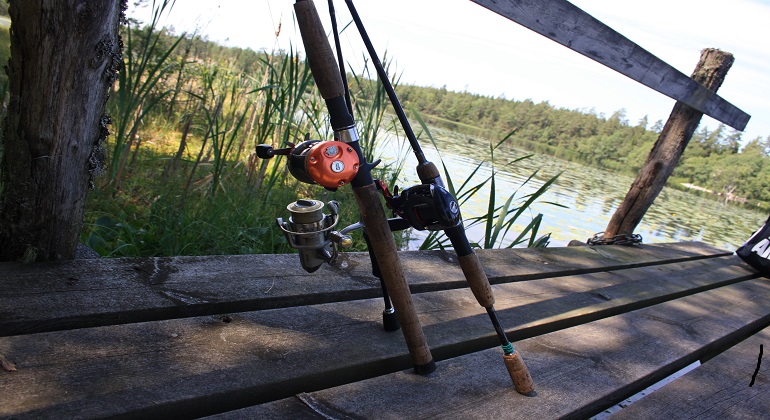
x=310 y=231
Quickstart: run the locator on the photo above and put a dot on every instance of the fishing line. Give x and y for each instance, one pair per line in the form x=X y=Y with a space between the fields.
x=340 y=61
x=387 y=85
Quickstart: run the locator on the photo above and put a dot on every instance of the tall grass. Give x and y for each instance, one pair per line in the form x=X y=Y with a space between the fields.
x=499 y=218
x=224 y=107
x=146 y=63
x=196 y=186
x=235 y=223
x=213 y=196
x=287 y=113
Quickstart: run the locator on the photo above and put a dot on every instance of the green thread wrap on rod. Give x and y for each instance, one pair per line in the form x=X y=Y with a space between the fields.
x=507 y=348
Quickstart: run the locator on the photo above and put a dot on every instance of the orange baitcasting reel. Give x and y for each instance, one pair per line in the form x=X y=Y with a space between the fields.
x=330 y=164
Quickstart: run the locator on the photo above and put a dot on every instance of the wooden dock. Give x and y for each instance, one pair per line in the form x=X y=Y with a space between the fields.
x=257 y=337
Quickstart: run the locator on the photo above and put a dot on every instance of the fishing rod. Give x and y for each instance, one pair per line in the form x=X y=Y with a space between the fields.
x=430 y=206
x=336 y=163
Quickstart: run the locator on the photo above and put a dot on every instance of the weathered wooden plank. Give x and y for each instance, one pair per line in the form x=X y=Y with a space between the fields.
x=85 y=293
x=563 y=22
x=201 y=365
x=720 y=388
x=578 y=371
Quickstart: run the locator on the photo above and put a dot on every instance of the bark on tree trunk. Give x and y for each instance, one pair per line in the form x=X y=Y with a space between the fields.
x=65 y=55
x=664 y=156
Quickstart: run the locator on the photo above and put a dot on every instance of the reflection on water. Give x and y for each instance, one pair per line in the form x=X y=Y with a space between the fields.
x=589 y=196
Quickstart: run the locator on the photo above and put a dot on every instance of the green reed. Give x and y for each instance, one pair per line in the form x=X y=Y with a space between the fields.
x=146 y=63
x=499 y=218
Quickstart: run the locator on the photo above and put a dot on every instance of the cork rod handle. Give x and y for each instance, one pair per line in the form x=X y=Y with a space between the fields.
x=324 y=66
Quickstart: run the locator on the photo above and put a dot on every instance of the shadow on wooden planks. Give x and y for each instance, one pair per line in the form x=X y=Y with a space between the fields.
x=186 y=365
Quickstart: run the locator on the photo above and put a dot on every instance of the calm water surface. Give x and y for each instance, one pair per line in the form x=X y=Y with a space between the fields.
x=589 y=196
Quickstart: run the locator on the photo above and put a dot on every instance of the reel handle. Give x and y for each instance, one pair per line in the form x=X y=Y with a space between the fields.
x=265 y=151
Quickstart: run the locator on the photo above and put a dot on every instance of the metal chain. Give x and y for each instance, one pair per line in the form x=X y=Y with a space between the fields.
x=623 y=239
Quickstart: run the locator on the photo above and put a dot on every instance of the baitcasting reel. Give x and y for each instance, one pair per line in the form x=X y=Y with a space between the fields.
x=311 y=232
x=330 y=164
x=425 y=206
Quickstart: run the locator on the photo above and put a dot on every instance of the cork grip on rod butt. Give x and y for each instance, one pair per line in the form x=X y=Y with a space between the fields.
x=522 y=381
x=326 y=72
x=385 y=251
x=477 y=279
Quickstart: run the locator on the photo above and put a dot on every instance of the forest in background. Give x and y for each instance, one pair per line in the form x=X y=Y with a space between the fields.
x=713 y=160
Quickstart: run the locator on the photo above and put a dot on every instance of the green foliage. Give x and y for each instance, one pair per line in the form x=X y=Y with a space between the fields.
x=5 y=53
x=712 y=160
x=224 y=106
x=146 y=63
x=239 y=222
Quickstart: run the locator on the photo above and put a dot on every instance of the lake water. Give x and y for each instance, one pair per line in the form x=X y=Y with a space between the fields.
x=589 y=196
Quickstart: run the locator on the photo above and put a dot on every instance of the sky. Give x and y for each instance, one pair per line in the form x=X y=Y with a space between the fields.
x=465 y=47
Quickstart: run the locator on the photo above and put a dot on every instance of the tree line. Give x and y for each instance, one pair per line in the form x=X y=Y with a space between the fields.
x=714 y=159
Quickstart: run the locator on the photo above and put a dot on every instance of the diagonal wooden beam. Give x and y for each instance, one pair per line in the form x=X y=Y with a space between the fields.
x=563 y=22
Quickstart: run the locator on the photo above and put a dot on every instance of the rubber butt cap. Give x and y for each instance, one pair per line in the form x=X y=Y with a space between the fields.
x=390 y=321
x=425 y=369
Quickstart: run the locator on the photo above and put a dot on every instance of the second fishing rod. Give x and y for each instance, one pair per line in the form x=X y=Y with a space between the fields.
x=430 y=201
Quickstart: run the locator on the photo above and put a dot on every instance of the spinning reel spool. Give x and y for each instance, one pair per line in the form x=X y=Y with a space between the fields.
x=310 y=231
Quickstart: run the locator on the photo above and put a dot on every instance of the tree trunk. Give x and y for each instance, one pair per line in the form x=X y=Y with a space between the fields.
x=664 y=156
x=65 y=55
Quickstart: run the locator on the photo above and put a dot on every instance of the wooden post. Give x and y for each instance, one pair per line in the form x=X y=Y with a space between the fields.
x=710 y=72
x=65 y=55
